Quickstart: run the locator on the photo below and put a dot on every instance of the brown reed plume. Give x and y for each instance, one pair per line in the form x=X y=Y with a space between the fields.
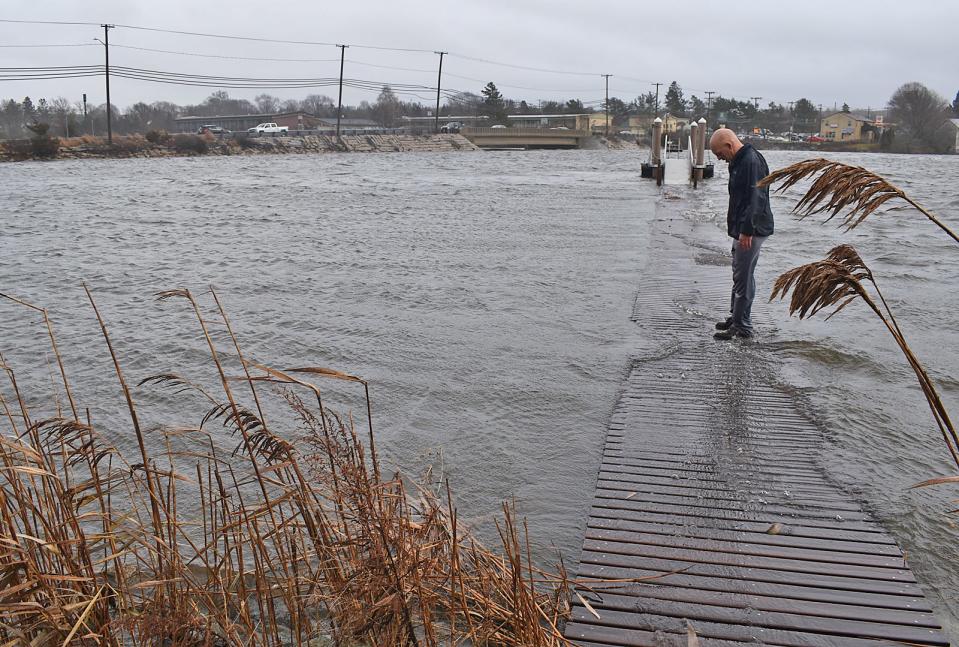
x=291 y=538
x=842 y=186
x=835 y=282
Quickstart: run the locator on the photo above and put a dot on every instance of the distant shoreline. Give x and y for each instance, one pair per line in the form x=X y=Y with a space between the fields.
x=185 y=145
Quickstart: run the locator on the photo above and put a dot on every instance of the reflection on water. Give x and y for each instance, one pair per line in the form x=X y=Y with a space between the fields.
x=486 y=297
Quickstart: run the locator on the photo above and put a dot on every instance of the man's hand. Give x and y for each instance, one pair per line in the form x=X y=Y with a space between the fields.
x=745 y=242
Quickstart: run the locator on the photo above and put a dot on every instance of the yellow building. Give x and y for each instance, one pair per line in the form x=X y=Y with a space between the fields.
x=597 y=122
x=673 y=124
x=846 y=127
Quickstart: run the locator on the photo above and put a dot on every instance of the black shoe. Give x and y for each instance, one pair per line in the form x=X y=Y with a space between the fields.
x=731 y=333
x=724 y=325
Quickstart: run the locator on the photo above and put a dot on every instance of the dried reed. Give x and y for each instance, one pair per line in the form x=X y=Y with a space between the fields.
x=835 y=282
x=841 y=186
x=293 y=539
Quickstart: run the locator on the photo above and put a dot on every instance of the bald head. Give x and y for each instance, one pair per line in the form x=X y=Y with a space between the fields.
x=724 y=144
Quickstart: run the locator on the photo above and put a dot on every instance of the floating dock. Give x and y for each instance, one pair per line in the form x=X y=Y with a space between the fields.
x=711 y=480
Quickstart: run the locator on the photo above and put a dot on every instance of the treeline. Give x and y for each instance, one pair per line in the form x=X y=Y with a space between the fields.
x=67 y=119
x=917 y=115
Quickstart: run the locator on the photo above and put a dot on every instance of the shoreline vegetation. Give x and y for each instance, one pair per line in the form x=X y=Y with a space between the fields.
x=263 y=520
x=43 y=147
x=154 y=144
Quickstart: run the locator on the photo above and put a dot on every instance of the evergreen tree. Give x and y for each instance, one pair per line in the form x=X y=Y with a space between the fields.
x=26 y=107
x=697 y=108
x=806 y=116
x=675 y=103
x=493 y=105
x=644 y=104
x=845 y=107
x=955 y=105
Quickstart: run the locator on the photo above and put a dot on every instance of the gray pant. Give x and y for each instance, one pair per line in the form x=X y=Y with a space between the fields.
x=744 y=284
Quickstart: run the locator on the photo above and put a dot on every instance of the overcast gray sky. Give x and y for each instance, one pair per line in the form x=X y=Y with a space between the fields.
x=851 y=51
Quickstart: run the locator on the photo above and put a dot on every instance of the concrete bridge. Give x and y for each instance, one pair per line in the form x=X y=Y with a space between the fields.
x=525 y=137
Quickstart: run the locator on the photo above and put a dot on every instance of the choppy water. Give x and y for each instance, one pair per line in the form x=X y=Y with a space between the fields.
x=486 y=297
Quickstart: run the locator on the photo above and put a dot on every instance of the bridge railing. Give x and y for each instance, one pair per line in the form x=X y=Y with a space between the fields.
x=524 y=132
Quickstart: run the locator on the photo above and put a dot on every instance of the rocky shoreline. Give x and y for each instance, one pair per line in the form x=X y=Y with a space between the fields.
x=136 y=146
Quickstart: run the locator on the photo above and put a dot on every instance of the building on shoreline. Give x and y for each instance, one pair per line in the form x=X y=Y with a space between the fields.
x=955 y=125
x=849 y=127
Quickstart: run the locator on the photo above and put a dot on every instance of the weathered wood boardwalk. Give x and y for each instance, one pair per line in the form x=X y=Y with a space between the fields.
x=710 y=479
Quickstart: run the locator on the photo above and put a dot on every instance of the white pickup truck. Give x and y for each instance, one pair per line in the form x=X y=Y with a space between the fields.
x=268 y=128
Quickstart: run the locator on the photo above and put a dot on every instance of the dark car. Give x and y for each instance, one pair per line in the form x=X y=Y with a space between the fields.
x=214 y=129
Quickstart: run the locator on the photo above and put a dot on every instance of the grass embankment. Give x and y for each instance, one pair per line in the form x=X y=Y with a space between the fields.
x=161 y=144
x=293 y=538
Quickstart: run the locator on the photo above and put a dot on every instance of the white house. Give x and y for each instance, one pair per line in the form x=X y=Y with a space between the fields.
x=955 y=123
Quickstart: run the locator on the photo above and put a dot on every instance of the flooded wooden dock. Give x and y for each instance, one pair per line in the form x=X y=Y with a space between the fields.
x=711 y=481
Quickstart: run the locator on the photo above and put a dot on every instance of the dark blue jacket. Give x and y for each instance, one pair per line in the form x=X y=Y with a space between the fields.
x=749 y=211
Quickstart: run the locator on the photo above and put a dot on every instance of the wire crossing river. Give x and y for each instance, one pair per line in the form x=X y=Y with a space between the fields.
x=487 y=299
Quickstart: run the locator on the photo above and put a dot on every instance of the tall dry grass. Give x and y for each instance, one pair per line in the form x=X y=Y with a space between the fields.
x=294 y=537
x=843 y=277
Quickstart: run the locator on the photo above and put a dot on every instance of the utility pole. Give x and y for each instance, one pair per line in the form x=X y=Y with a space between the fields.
x=106 y=49
x=339 y=103
x=656 y=109
x=85 y=124
x=439 y=78
x=709 y=102
x=792 y=118
x=756 y=101
x=607 y=103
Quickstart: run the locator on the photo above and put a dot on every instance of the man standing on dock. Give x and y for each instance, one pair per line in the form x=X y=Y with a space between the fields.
x=749 y=221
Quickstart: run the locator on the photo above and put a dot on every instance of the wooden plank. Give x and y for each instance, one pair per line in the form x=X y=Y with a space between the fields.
x=825 y=634
x=629 y=597
x=713 y=545
x=748 y=561
x=793 y=528
x=783 y=536
x=589 y=635
x=758 y=574
x=613 y=488
x=600 y=577
x=700 y=512
x=720 y=485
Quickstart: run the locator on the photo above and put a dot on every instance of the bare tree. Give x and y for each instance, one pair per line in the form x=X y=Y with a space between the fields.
x=267 y=103
x=920 y=116
x=319 y=105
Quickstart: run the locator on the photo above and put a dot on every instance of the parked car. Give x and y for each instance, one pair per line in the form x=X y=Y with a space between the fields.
x=212 y=128
x=270 y=128
x=497 y=126
x=451 y=127
x=815 y=138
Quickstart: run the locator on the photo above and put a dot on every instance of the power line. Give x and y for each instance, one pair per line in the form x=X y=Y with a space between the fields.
x=522 y=67
x=213 y=35
x=48 y=22
x=233 y=58
x=50 y=45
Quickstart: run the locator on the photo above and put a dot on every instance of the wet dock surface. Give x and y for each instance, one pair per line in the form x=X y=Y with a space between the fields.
x=711 y=480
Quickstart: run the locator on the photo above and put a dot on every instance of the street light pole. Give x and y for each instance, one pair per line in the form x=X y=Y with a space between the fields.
x=106 y=49
x=607 y=103
x=339 y=103
x=439 y=79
